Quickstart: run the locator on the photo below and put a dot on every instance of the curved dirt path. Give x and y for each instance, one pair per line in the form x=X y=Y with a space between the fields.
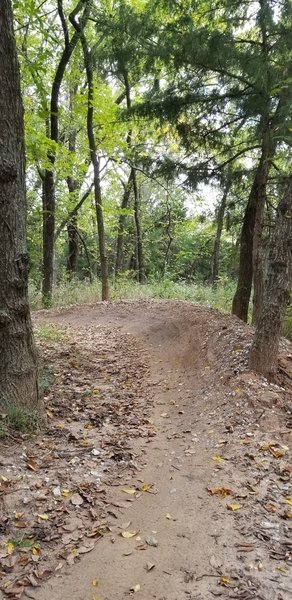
x=202 y=547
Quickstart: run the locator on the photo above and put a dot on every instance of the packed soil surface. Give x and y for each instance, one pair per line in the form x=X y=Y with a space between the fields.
x=163 y=470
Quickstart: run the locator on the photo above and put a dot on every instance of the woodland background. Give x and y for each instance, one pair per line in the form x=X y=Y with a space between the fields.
x=188 y=107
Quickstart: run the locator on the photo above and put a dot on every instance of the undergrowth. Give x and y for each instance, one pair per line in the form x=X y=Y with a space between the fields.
x=83 y=292
x=18 y=419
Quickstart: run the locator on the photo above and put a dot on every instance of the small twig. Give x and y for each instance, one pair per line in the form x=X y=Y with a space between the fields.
x=206 y=575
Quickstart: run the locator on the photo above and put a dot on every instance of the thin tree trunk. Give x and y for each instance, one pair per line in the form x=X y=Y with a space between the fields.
x=139 y=240
x=217 y=242
x=121 y=226
x=18 y=364
x=264 y=350
x=94 y=158
x=73 y=246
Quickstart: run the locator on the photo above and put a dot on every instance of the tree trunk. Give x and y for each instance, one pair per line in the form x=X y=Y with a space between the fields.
x=73 y=246
x=264 y=350
x=121 y=227
x=79 y=27
x=217 y=242
x=139 y=241
x=49 y=200
x=18 y=366
x=249 y=258
x=49 y=203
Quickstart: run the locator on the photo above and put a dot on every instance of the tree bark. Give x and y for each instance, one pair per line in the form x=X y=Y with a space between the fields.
x=217 y=242
x=18 y=365
x=264 y=350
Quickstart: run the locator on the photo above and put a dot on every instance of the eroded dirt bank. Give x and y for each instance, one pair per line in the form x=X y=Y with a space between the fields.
x=165 y=462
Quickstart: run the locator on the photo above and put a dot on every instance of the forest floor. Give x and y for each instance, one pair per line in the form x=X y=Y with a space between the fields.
x=163 y=471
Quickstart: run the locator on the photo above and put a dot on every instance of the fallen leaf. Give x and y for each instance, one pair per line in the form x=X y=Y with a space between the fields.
x=289 y=500
x=151 y=541
x=149 y=566
x=277 y=453
x=147 y=487
x=168 y=516
x=31 y=464
x=135 y=588
x=233 y=507
x=222 y=492
x=224 y=580
x=10 y=547
x=43 y=517
x=218 y=458
x=129 y=534
x=270 y=507
x=66 y=493
x=130 y=491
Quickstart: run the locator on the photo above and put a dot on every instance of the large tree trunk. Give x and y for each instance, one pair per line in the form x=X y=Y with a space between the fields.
x=18 y=368
x=217 y=242
x=264 y=350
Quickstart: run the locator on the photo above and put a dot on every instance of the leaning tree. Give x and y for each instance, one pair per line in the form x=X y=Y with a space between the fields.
x=18 y=364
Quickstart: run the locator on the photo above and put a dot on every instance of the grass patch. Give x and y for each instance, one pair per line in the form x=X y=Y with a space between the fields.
x=18 y=419
x=48 y=332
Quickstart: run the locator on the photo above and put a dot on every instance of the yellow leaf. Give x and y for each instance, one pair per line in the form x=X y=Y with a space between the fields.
x=43 y=517
x=222 y=492
x=147 y=487
x=66 y=493
x=129 y=534
x=129 y=491
x=136 y=588
x=36 y=551
x=218 y=458
x=224 y=580
x=277 y=453
x=233 y=507
x=289 y=500
x=168 y=516
x=74 y=551
x=49 y=414
x=10 y=547
x=95 y=582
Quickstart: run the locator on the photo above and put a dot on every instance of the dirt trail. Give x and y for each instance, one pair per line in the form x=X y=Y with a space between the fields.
x=212 y=419
x=188 y=539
